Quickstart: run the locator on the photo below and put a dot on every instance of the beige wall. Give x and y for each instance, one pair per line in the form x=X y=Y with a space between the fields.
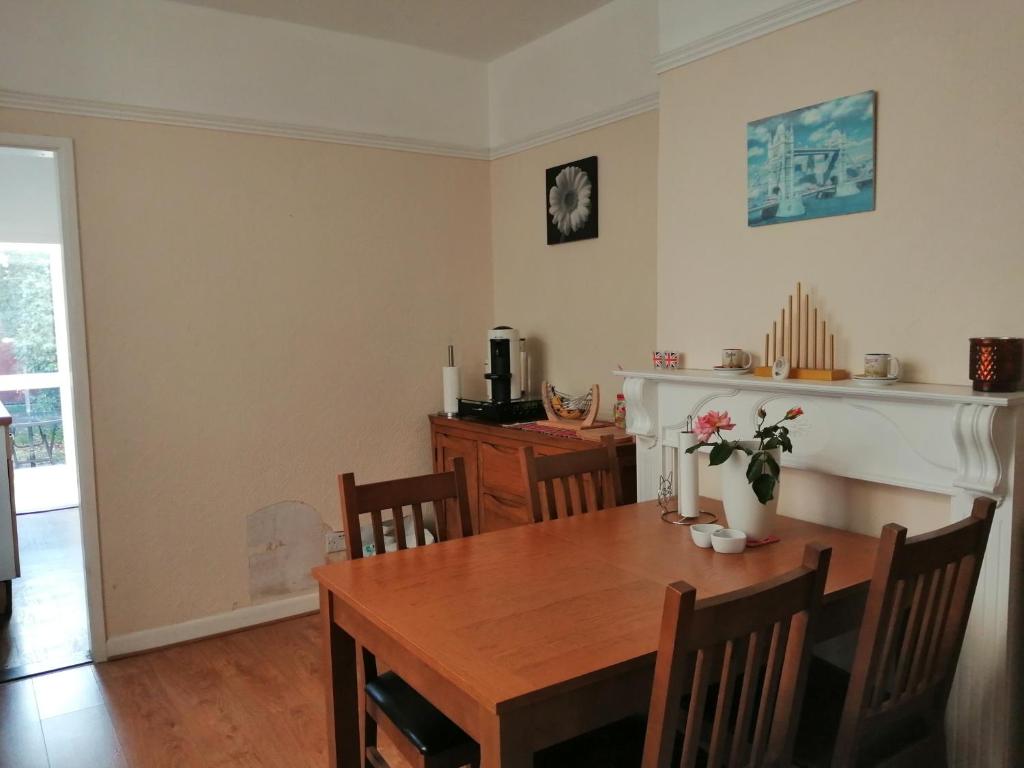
x=586 y=306
x=261 y=314
x=940 y=258
x=938 y=261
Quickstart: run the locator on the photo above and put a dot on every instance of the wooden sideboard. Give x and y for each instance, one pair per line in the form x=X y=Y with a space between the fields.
x=491 y=452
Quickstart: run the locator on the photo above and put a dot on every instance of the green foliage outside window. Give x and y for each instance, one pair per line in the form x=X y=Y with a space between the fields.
x=28 y=344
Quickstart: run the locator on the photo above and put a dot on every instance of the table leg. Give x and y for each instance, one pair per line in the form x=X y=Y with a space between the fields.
x=343 y=737
x=504 y=744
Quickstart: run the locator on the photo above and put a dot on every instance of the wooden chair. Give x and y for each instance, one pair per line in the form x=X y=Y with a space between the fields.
x=589 y=480
x=413 y=492
x=725 y=640
x=422 y=734
x=907 y=651
x=755 y=642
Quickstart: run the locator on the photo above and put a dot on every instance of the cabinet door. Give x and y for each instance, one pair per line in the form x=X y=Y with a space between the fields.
x=501 y=470
x=497 y=513
x=627 y=468
x=503 y=490
x=446 y=448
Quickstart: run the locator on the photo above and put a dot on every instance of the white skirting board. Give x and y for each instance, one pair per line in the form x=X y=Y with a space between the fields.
x=249 y=616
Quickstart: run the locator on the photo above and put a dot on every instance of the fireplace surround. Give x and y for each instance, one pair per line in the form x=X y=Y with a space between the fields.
x=949 y=440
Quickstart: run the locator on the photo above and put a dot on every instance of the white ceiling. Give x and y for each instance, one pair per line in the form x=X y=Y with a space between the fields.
x=477 y=29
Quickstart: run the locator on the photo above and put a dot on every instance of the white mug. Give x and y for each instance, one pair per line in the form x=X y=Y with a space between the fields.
x=881 y=365
x=735 y=358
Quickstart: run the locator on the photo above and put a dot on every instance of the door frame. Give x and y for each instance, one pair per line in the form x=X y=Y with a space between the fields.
x=64 y=153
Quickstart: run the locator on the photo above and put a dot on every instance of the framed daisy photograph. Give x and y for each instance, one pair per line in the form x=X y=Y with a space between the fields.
x=571 y=201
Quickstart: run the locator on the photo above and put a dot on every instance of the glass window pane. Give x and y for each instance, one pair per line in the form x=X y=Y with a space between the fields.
x=37 y=429
x=27 y=340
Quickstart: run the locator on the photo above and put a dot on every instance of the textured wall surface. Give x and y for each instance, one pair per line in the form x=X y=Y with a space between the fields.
x=937 y=262
x=261 y=314
x=587 y=306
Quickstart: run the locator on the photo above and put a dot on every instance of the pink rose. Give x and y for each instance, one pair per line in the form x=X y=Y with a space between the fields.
x=711 y=422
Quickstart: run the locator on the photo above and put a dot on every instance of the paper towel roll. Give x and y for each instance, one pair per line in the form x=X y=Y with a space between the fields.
x=450 y=384
x=686 y=476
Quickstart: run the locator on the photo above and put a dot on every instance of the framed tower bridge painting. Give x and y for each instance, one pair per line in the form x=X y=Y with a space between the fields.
x=812 y=162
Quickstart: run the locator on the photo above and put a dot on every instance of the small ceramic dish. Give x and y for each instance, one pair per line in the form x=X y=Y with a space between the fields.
x=729 y=541
x=727 y=372
x=874 y=381
x=701 y=533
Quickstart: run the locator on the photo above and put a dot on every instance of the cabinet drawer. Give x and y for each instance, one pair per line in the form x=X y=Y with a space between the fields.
x=500 y=469
x=497 y=513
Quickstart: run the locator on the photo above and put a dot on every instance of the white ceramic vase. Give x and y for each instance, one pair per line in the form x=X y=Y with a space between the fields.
x=742 y=509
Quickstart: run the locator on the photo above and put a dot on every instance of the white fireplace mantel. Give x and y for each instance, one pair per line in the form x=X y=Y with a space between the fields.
x=943 y=439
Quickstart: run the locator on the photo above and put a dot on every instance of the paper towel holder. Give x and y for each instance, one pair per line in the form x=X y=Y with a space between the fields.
x=450 y=386
x=667 y=494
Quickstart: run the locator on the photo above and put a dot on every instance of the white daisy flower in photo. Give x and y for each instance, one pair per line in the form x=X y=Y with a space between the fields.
x=569 y=200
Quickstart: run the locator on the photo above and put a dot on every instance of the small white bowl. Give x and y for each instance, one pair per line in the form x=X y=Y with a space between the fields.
x=729 y=541
x=701 y=533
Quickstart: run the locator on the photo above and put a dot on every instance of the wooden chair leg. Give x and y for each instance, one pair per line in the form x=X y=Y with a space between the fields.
x=375 y=759
x=367 y=670
x=369 y=740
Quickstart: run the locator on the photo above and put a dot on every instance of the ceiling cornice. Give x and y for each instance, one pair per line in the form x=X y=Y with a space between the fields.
x=791 y=13
x=595 y=120
x=92 y=108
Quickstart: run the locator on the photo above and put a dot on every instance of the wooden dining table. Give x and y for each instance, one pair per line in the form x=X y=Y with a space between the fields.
x=531 y=635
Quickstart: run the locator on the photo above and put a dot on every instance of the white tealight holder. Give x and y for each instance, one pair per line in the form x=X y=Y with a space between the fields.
x=701 y=533
x=729 y=541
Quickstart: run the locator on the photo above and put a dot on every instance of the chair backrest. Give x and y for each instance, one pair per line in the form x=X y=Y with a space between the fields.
x=756 y=639
x=913 y=627
x=414 y=492
x=589 y=480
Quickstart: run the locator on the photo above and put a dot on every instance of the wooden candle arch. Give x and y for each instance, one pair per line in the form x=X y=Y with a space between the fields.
x=798 y=342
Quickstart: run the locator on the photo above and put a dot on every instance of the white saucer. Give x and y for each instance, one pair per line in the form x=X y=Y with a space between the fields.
x=720 y=371
x=874 y=381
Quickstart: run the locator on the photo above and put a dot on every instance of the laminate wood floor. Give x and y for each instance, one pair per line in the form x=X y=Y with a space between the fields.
x=253 y=698
x=49 y=626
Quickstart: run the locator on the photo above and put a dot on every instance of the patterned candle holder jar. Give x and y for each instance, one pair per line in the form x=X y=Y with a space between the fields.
x=996 y=363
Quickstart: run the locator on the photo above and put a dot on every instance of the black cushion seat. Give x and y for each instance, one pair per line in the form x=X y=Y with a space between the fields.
x=420 y=722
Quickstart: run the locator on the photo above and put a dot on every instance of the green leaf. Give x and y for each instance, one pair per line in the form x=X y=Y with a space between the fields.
x=720 y=454
x=696 y=447
x=756 y=467
x=764 y=488
x=787 y=444
x=773 y=465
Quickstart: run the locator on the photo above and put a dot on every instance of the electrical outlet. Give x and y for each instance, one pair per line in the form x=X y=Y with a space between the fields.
x=335 y=541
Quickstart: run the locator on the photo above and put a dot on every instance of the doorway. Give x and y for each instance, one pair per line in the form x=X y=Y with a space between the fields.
x=55 y=618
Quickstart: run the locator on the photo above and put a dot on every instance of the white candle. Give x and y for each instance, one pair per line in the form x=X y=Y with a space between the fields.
x=686 y=476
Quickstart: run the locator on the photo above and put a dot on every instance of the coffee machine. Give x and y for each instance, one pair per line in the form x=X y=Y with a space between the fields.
x=504 y=361
x=506 y=373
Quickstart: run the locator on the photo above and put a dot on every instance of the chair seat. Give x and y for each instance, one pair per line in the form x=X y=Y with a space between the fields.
x=419 y=721
x=824 y=698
